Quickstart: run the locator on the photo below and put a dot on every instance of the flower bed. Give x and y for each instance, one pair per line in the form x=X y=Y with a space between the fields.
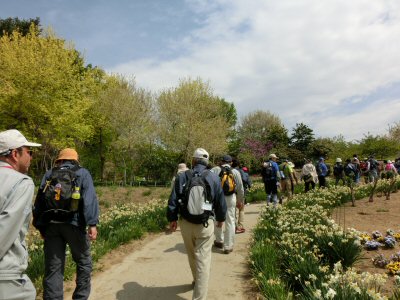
x=315 y=256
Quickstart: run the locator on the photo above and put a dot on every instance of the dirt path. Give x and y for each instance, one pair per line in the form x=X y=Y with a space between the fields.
x=159 y=269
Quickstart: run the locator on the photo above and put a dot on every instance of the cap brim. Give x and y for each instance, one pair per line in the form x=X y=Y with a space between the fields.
x=29 y=144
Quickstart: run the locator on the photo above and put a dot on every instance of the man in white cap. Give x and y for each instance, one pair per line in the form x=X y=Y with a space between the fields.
x=199 y=199
x=16 y=193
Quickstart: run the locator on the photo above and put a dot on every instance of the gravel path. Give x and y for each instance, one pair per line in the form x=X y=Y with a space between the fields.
x=159 y=269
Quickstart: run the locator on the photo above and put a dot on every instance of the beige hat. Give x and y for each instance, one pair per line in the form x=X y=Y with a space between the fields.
x=182 y=168
x=68 y=154
x=338 y=160
x=13 y=139
x=273 y=156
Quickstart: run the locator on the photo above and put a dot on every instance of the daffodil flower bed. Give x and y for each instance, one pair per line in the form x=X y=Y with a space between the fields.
x=313 y=256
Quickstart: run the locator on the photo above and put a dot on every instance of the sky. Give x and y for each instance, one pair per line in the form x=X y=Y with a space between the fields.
x=332 y=65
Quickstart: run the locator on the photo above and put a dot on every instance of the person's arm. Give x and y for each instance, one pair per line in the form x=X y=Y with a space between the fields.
x=17 y=207
x=173 y=204
x=239 y=185
x=90 y=203
x=220 y=207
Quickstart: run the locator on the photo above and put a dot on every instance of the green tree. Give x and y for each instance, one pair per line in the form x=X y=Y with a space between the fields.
x=126 y=117
x=190 y=116
x=302 y=138
x=380 y=146
x=7 y=26
x=45 y=91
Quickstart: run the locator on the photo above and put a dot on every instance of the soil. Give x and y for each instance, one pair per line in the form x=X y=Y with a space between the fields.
x=381 y=215
x=156 y=267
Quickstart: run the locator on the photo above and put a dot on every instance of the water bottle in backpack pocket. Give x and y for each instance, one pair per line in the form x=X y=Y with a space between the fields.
x=61 y=195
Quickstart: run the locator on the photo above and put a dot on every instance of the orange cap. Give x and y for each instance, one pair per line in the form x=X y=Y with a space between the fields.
x=67 y=154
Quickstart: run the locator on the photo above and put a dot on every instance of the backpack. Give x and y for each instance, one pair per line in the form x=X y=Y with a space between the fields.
x=350 y=170
x=197 y=203
x=337 y=170
x=57 y=193
x=373 y=164
x=328 y=168
x=227 y=180
x=268 y=171
x=364 y=166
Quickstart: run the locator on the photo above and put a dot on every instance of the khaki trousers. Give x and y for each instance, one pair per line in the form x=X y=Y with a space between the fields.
x=227 y=237
x=240 y=218
x=198 y=241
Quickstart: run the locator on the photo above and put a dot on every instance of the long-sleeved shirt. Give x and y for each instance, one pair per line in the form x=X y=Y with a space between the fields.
x=239 y=190
x=16 y=195
x=217 y=195
x=88 y=215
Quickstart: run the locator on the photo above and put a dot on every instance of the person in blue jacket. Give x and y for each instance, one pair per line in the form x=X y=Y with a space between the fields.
x=77 y=230
x=271 y=177
x=197 y=235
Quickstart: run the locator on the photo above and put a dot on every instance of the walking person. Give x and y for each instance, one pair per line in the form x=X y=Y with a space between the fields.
x=16 y=195
x=271 y=178
x=338 y=171
x=287 y=180
x=322 y=172
x=199 y=200
x=240 y=206
x=234 y=195
x=66 y=212
x=309 y=175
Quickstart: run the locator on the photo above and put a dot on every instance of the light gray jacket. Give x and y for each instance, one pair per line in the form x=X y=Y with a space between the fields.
x=16 y=194
x=238 y=181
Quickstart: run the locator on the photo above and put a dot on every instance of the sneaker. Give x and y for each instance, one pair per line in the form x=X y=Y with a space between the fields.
x=240 y=230
x=218 y=244
x=227 y=251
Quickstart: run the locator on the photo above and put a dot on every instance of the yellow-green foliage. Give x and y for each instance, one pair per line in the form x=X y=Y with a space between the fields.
x=44 y=88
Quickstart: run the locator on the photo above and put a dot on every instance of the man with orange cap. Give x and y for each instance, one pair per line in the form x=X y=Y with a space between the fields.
x=60 y=226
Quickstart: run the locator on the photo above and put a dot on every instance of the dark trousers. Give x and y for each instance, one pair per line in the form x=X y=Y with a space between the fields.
x=57 y=236
x=307 y=185
x=321 y=181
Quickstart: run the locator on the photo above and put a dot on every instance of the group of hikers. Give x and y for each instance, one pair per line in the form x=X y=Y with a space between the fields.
x=206 y=201
x=349 y=172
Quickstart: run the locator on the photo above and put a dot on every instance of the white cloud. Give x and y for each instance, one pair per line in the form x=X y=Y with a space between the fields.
x=298 y=59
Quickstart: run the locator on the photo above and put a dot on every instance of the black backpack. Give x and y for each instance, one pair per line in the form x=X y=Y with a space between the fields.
x=268 y=171
x=227 y=180
x=57 y=193
x=196 y=198
x=350 y=170
x=337 y=170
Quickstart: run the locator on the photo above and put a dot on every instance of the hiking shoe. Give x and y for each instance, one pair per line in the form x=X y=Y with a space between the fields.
x=218 y=244
x=240 y=230
x=227 y=251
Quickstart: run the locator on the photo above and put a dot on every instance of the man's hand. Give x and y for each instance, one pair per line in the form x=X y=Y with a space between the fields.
x=239 y=204
x=172 y=226
x=92 y=233
x=219 y=224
